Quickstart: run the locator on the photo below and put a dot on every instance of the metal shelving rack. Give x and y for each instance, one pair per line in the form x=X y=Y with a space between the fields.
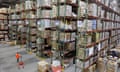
x=3 y=28
x=65 y=36
x=17 y=25
x=12 y=25
x=44 y=28
x=31 y=27
x=105 y=38
x=90 y=44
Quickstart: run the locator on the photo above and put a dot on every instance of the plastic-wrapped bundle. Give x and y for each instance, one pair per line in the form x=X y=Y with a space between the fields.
x=101 y=65
x=43 y=3
x=70 y=1
x=29 y=4
x=112 y=66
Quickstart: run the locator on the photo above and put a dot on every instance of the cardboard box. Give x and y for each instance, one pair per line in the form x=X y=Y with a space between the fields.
x=3 y=10
x=43 y=3
x=43 y=66
x=65 y=10
x=83 y=53
x=54 y=12
x=33 y=31
x=100 y=65
x=112 y=66
x=92 y=9
x=45 y=34
x=33 y=38
x=82 y=9
x=65 y=36
x=54 y=45
x=54 y=35
x=45 y=14
x=29 y=4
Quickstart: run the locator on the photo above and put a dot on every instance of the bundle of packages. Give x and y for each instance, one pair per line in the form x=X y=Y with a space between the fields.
x=101 y=65
x=41 y=3
x=56 y=66
x=54 y=44
x=3 y=16
x=3 y=10
x=2 y=26
x=29 y=4
x=82 y=8
x=45 y=34
x=92 y=9
x=65 y=10
x=43 y=66
x=33 y=31
x=91 y=69
x=33 y=38
x=1 y=36
x=68 y=1
x=112 y=66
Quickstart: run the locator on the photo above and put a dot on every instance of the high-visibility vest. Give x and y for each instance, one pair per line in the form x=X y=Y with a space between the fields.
x=17 y=56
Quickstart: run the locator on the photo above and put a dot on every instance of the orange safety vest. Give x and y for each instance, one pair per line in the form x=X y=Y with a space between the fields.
x=17 y=56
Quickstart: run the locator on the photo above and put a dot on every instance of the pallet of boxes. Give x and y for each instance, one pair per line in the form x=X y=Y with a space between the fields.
x=101 y=65
x=3 y=21
x=108 y=64
x=43 y=66
x=112 y=65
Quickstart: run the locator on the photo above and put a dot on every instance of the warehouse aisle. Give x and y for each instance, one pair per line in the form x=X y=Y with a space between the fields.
x=8 y=61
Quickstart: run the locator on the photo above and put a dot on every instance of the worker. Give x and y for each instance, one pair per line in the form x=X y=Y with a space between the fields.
x=17 y=57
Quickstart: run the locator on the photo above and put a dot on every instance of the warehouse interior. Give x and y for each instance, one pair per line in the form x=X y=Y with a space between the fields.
x=60 y=35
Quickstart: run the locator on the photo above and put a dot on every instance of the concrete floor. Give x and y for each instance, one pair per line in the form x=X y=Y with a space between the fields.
x=8 y=60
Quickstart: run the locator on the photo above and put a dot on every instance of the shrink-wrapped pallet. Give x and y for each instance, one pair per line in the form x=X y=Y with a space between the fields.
x=45 y=34
x=1 y=36
x=85 y=40
x=3 y=10
x=86 y=25
x=54 y=45
x=92 y=9
x=65 y=10
x=91 y=69
x=43 y=3
x=45 y=13
x=56 y=67
x=54 y=35
x=82 y=8
x=70 y=46
x=2 y=26
x=83 y=53
x=100 y=64
x=42 y=24
x=54 y=12
x=3 y=16
x=69 y=1
x=17 y=7
x=29 y=4
x=112 y=66
x=43 y=66
x=65 y=36
x=33 y=31
x=33 y=38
